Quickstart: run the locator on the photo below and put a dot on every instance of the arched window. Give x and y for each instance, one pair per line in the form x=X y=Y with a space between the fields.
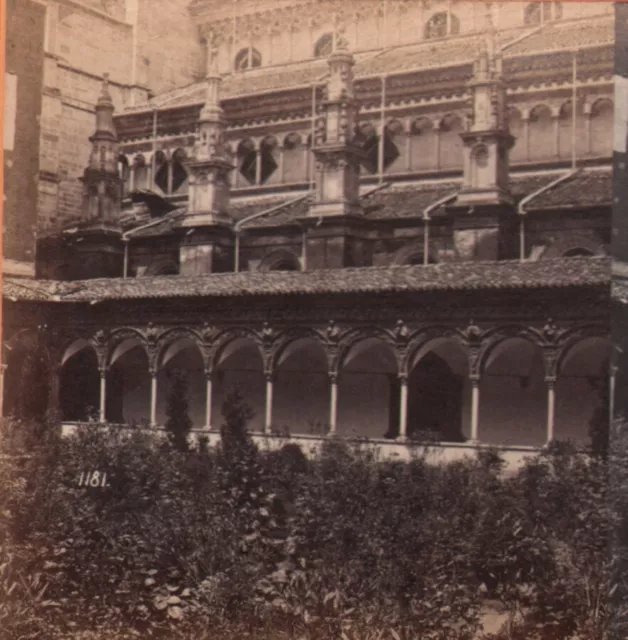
x=325 y=44
x=602 y=128
x=441 y=25
x=124 y=173
x=247 y=159
x=248 y=58
x=161 y=171
x=269 y=157
x=423 y=143
x=294 y=159
x=140 y=172
x=537 y=12
x=577 y=252
x=541 y=133
x=179 y=174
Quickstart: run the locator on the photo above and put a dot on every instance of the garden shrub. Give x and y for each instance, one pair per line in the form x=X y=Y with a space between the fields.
x=232 y=542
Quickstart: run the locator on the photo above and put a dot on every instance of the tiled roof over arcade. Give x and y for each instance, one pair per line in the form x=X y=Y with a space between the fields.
x=474 y=276
x=587 y=188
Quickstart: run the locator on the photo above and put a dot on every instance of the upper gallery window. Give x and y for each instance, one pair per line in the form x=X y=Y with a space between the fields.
x=248 y=58
x=537 y=12
x=441 y=25
x=325 y=44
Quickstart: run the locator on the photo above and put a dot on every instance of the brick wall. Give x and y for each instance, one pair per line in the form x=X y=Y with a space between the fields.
x=25 y=29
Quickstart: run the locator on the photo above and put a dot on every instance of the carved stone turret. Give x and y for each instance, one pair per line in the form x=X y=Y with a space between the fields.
x=101 y=179
x=337 y=155
x=209 y=167
x=488 y=141
x=208 y=247
x=483 y=212
x=336 y=232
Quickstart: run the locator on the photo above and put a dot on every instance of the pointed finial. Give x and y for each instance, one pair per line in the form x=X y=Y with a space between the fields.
x=105 y=96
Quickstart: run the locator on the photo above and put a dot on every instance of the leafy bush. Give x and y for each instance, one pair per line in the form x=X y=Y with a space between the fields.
x=232 y=542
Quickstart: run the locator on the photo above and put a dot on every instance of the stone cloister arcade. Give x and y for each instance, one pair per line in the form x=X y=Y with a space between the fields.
x=507 y=385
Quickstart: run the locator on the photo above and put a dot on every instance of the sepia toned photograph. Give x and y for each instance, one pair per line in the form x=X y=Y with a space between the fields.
x=314 y=320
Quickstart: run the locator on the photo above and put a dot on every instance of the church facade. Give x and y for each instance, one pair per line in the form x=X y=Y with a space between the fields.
x=399 y=244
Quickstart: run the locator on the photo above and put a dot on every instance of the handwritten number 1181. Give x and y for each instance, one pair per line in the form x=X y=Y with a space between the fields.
x=92 y=479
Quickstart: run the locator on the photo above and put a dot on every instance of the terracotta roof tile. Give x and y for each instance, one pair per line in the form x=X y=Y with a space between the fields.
x=585 y=189
x=461 y=276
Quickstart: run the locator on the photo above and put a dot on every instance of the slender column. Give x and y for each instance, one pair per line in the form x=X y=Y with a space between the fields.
x=526 y=136
x=281 y=164
x=132 y=177
x=587 y=130
x=550 y=381
x=258 y=165
x=3 y=369
x=439 y=132
x=208 y=400
x=408 y=135
x=170 y=171
x=103 y=394
x=611 y=392
x=403 y=407
x=333 y=403
x=269 y=402
x=556 y=118
x=153 y=398
x=475 y=406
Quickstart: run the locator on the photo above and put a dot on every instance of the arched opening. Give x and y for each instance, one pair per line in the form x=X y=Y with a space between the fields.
x=412 y=254
x=270 y=151
x=161 y=171
x=368 y=139
x=578 y=252
x=182 y=356
x=280 y=261
x=302 y=389
x=247 y=161
x=423 y=142
x=162 y=268
x=537 y=12
x=366 y=390
x=140 y=173
x=128 y=385
x=79 y=383
x=125 y=175
x=541 y=132
x=247 y=58
x=395 y=147
x=441 y=25
x=515 y=124
x=602 y=128
x=450 y=142
x=239 y=366
x=513 y=395
x=438 y=393
x=566 y=133
x=582 y=389
x=179 y=174
x=27 y=379
x=480 y=170
x=325 y=45
x=294 y=159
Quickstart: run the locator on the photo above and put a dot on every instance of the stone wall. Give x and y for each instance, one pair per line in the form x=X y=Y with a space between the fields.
x=24 y=69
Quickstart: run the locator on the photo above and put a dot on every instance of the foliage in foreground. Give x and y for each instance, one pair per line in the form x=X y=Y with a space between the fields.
x=234 y=543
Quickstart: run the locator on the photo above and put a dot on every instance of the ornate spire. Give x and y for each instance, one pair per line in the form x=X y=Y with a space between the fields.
x=101 y=179
x=338 y=157
x=209 y=166
x=105 y=127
